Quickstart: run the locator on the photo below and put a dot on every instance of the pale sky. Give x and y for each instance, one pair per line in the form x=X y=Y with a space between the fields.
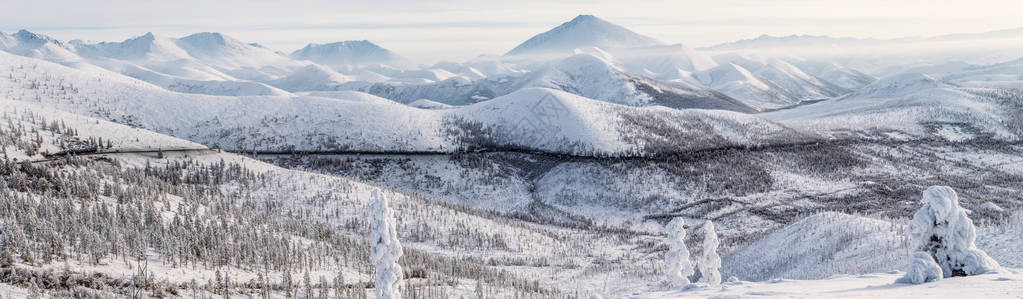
x=457 y=30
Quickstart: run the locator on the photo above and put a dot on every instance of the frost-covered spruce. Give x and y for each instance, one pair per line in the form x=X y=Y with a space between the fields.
x=678 y=267
x=386 y=248
x=922 y=269
x=710 y=262
x=942 y=230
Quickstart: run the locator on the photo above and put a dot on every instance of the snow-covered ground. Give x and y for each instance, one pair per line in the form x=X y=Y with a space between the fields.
x=1006 y=284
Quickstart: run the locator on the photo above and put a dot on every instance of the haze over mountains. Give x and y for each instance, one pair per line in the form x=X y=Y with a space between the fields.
x=215 y=64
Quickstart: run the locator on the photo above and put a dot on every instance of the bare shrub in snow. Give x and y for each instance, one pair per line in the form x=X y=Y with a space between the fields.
x=679 y=268
x=386 y=248
x=710 y=262
x=942 y=230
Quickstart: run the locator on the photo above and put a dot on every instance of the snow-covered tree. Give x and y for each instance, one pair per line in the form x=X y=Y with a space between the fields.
x=922 y=269
x=386 y=248
x=710 y=262
x=942 y=230
x=678 y=267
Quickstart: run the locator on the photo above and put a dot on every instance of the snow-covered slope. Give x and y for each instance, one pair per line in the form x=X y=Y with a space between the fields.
x=796 y=81
x=582 y=31
x=236 y=58
x=428 y=104
x=156 y=53
x=669 y=62
x=766 y=85
x=251 y=209
x=1007 y=74
x=742 y=84
x=564 y=122
x=596 y=78
x=311 y=77
x=820 y=246
x=209 y=86
x=913 y=105
x=835 y=73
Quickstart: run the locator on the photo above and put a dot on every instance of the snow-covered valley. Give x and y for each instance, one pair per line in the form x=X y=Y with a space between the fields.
x=576 y=165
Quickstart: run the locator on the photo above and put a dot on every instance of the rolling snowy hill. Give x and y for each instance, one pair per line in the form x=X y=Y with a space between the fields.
x=766 y=85
x=820 y=246
x=581 y=74
x=913 y=106
x=532 y=118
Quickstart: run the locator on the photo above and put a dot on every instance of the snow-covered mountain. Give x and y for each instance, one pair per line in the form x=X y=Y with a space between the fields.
x=763 y=85
x=1007 y=74
x=203 y=63
x=347 y=55
x=586 y=56
x=914 y=105
x=30 y=44
x=636 y=53
x=582 y=31
x=764 y=42
x=361 y=121
x=791 y=41
x=240 y=60
x=581 y=74
x=835 y=73
x=769 y=84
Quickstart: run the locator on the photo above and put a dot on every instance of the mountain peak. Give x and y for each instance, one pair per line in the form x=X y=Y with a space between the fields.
x=207 y=39
x=217 y=46
x=584 y=18
x=28 y=36
x=347 y=53
x=138 y=41
x=583 y=31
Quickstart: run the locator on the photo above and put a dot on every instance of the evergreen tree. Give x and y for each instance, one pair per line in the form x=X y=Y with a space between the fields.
x=942 y=231
x=678 y=267
x=386 y=247
x=710 y=261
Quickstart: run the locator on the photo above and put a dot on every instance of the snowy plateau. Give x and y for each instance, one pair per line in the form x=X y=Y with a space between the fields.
x=589 y=161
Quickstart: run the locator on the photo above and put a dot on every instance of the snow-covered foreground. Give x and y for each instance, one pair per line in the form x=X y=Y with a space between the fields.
x=1005 y=284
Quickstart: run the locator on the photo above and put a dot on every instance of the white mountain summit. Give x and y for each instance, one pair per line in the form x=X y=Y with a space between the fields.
x=583 y=31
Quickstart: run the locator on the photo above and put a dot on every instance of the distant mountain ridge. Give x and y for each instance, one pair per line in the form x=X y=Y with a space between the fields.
x=802 y=40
